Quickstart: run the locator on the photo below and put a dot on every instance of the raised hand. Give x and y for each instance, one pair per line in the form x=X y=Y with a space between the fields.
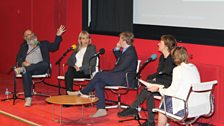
x=77 y=68
x=118 y=45
x=61 y=30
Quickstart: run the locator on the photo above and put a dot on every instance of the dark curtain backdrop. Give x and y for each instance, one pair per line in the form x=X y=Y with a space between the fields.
x=111 y=16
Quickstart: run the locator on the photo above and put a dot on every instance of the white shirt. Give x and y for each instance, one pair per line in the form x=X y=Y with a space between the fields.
x=184 y=76
x=79 y=56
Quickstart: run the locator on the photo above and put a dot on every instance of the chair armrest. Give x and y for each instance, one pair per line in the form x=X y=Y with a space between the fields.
x=177 y=98
x=171 y=115
x=167 y=114
x=205 y=86
x=157 y=97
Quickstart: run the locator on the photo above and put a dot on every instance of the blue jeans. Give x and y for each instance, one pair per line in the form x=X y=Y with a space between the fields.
x=33 y=69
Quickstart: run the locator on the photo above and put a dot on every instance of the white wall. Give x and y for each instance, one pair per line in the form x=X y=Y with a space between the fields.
x=182 y=13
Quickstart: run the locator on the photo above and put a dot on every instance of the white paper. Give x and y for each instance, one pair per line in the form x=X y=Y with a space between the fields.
x=147 y=84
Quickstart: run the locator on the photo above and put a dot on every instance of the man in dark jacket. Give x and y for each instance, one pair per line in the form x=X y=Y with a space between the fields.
x=126 y=61
x=33 y=58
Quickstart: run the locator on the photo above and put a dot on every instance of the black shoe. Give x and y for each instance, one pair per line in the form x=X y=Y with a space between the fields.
x=128 y=112
x=147 y=123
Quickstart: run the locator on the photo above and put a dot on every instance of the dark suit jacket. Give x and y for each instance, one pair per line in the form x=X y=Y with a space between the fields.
x=126 y=62
x=86 y=63
x=45 y=47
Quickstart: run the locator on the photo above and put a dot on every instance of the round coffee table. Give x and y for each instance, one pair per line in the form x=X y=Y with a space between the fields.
x=69 y=100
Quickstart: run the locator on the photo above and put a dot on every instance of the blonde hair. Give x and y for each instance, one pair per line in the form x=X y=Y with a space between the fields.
x=85 y=35
x=180 y=55
x=128 y=37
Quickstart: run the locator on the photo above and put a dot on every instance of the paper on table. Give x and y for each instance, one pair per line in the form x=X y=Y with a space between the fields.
x=147 y=84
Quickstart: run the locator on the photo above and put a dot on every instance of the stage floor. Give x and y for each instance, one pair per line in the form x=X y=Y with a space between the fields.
x=41 y=112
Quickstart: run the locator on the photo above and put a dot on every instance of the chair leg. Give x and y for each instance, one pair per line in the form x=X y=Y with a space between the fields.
x=118 y=105
x=38 y=93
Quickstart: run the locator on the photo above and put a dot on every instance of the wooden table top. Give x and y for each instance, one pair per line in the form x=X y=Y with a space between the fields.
x=70 y=100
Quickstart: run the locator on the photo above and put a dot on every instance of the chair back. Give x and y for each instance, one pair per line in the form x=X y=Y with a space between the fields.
x=138 y=66
x=92 y=74
x=202 y=91
x=131 y=77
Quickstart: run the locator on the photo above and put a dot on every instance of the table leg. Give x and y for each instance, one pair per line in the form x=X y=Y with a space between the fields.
x=91 y=119
x=60 y=113
x=82 y=111
x=53 y=112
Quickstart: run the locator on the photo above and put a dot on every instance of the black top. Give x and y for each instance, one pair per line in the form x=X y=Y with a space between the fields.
x=164 y=72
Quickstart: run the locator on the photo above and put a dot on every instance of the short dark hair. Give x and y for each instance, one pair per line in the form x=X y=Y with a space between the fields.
x=170 y=41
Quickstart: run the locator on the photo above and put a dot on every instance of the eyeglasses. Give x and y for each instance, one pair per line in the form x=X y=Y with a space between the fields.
x=29 y=35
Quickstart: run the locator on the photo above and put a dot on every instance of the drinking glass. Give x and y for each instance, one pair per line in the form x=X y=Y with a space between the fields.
x=92 y=96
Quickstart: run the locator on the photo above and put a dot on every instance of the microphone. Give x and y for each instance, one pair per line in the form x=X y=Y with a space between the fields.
x=64 y=54
x=152 y=58
x=72 y=47
x=101 y=52
x=37 y=43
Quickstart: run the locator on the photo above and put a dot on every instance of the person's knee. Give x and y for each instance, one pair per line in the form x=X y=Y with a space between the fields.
x=162 y=119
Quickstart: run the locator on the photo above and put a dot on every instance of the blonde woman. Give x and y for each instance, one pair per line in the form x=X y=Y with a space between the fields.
x=184 y=74
x=78 y=62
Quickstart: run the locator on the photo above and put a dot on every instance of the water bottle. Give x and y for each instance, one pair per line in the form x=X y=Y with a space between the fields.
x=7 y=93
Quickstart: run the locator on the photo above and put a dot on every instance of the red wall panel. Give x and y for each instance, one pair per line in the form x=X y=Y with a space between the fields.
x=48 y=16
x=15 y=17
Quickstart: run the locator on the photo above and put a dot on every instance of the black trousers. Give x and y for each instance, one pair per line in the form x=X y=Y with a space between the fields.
x=148 y=96
x=70 y=75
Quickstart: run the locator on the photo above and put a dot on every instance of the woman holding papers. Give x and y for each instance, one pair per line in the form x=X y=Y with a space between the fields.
x=163 y=76
x=184 y=75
